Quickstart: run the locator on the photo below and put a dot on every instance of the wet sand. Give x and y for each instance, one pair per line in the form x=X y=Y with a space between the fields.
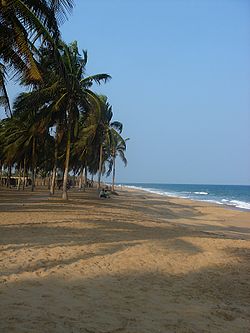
x=133 y=263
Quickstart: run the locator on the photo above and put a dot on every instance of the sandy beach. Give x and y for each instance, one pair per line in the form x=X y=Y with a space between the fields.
x=134 y=263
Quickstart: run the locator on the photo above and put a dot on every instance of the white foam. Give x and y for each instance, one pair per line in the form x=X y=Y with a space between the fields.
x=202 y=193
x=150 y=190
x=188 y=195
x=212 y=201
x=239 y=204
x=234 y=203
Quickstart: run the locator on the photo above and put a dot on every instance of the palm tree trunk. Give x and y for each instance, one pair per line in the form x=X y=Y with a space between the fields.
x=53 y=182
x=19 y=177
x=66 y=169
x=24 y=171
x=33 y=165
x=74 y=178
x=1 y=172
x=9 y=175
x=49 y=180
x=113 y=178
x=100 y=168
x=86 y=176
x=80 y=179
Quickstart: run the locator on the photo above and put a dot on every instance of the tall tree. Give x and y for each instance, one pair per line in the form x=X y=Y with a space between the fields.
x=117 y=148
x=106 y=128
x=31 y=119
x=4 y=98
x=22 y=23
x=68 y=92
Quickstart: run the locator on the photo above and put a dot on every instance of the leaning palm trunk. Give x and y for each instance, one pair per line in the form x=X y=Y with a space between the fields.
x=113 y=178
x=66 y=169
x=53 y=181
x=33 y=164
x=49 y=180
x=9 y=175
x=19 y=177
x=80 y=179
x=85 y=176
x=1 y=172
x=100 y=168
x=24 y=171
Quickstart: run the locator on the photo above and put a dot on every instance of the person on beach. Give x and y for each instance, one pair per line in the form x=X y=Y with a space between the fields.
x=106 y=193
x=102 y=194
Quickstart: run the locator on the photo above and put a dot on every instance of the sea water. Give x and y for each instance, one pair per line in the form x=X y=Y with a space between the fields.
x=237 y=196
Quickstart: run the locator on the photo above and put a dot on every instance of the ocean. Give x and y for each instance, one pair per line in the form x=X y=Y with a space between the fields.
x=237 y=196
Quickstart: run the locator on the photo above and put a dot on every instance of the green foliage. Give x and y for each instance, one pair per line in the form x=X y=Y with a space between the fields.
x=23 y=23
x=61 y=123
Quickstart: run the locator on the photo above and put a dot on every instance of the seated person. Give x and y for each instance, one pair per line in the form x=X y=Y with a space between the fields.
x=102 y=194
x=106 y=193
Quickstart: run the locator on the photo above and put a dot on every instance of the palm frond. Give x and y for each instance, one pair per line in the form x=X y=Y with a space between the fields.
x=117 y=125
x=98 y=78
x=4 y=98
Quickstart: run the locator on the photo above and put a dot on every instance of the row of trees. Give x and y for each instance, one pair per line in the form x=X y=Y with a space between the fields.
x=61 y=124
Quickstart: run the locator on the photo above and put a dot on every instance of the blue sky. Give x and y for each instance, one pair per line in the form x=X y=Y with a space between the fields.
x=181 y=84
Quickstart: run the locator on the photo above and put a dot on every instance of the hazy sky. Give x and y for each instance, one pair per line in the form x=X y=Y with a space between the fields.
x=181 y=84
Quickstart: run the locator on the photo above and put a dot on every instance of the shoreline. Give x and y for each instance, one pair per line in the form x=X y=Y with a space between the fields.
x=208 y=206
x=212 y=202
x=137 y=262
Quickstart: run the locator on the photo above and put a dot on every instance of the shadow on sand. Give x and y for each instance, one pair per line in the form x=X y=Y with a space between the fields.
x=83 y=291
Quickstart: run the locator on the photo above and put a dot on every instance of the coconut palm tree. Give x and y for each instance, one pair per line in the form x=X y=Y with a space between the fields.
x=92 y=135
x=4 y=98
x=106 y=129
x=96 y=135
x=117 y=148
x=22 y=23
x=34 y=128
x=22 y=135
x=67 y=93
x=75 y=96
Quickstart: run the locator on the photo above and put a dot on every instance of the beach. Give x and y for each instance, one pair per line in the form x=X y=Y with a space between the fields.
x=137 y=262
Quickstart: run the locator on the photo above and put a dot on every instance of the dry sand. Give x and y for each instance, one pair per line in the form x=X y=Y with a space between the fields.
x=133 y=263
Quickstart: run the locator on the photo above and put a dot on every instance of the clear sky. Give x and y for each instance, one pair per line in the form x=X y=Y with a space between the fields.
x=181 y=84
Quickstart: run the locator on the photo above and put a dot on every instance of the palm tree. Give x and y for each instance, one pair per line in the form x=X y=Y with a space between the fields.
x=4 y=98
x=34 y=127
x=66 y=94
x=22 y=23
x=14 y=149
x=22 y=135
x=95 y=137
x=57 y=140
x=8 y=156
x=106 y=129
x=117 y=148
x=75 y=96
